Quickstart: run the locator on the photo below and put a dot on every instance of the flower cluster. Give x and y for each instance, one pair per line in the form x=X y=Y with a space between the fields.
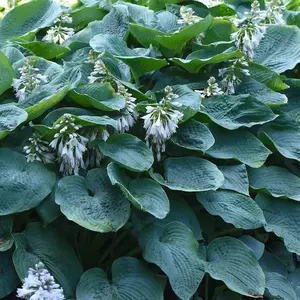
x=100 y=72
x=187 y=16
x=213 y=89
x=94 y=155
x=29 y=79
x=38 y=150
x=40 y=285
x=274 y=13
x=58 y=33
x=161 y=121
x=129 y=112
x=70 y=145
x=232 y=74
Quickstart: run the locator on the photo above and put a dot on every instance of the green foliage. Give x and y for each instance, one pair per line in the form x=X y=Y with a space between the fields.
x=150 y=150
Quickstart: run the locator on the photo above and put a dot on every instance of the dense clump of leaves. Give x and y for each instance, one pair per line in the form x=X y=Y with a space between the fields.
x=150 y=150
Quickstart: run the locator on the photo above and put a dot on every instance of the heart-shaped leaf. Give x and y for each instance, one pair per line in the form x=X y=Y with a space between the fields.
x=22 y=185
x=234 y=208
x=189 y=174
x=130 y=280
x=143 y=193
x=231 y=261
x=93 y=202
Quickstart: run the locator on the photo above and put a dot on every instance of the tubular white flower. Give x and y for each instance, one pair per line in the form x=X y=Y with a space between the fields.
x=213 y=89
x=232 y=75
x=29 y=79
x=38 y=150
x=70 y=146
x=187 y=16
x=40 y=285
x=129 y=112
x=94 y=156
x=58 y=33
x=100 y=72
x=161 y=121
x=274 y=13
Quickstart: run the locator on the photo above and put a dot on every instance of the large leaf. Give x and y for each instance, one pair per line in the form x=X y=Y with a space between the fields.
x=28 y=17
x=198 y=59
x=169 y=43
x=130 y=280
x=9 y=280
x=239 y=145
x=189 y=174
x=128 y=151
x=236 y=178
x=256 y=246
x=193 y=135
x=175 y=250
x=143 y=193
x=283 y=218
x=7 y=73
x=231 y=261
x=234 y=208
x=93 y=202
x=276 y=181
x=270 y=263
x=283 y=134
x=100 y=96
x=139 y=63
x=278 y=287
x=6 y=238
x=37 y=244
x=232 y=112
x=22 y=185
x=11 y=116
x=279 y=49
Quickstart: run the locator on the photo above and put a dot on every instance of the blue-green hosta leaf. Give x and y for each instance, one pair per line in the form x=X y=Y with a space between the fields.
x=279 y=49
x=6 y=238
x=283 y=134
x=7 y=73
x=277 y=181
x=100 y=96
x=283 y=218
x=22 y=185
x=256 y=246
x=139 y=63
x=11 y=117
x=236 y=178
x=46 y=96
x=198 y=59
x=46 y=50
x=169 y=43
x=278 y=287
x=234 y=208
x=128 y=151
x=143 y=193
x=37 y=244
x=130 y=280
x=193 y=135
x=189 y=174
x=261 y=92
x=294 y=279
x=48 y=210
x=175 y=250
x=28 y=17
x=270 y=263
x=231 y=261
x=9 y=280
x=233 y=112
x=239 y=145
x=15 y=52
x=93 y=202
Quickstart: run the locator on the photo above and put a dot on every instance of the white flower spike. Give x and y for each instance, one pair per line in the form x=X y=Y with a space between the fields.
x=161 y=121
x=187 y=16
x=100 y=72
x=29 y=79
x=40 y=285
x=70 y=146
x=129 y=112
x=213 y=89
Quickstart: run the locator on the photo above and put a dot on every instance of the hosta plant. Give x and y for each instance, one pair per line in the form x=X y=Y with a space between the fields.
x=150 y=150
